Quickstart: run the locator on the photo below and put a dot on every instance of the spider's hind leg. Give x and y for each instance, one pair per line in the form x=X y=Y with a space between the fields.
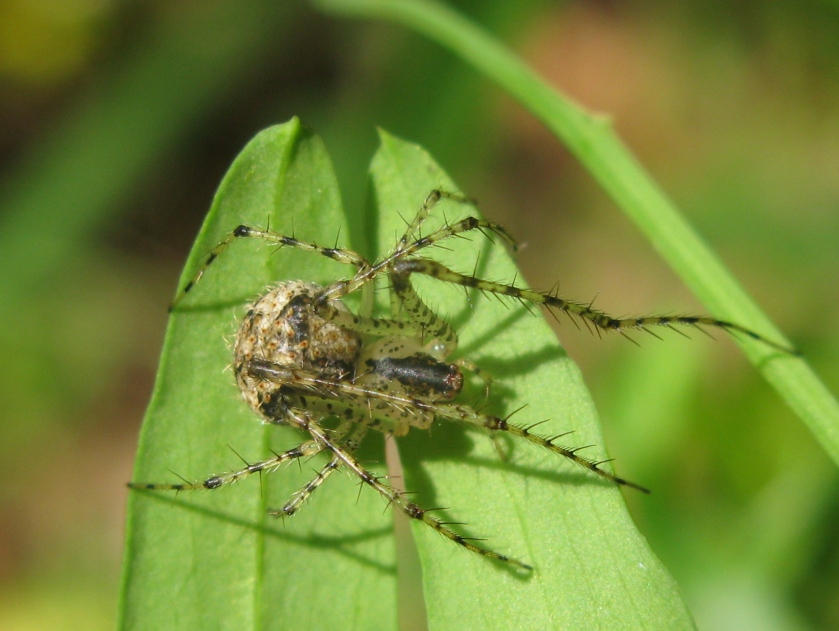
x=350 y=441
x=392 y=496
x=308 y=448
x=466 y=414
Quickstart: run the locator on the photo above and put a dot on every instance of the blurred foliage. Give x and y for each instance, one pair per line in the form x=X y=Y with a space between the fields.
x=118 y=120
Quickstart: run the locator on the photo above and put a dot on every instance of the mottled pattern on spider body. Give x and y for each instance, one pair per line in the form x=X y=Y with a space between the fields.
x=302 y=358
x=281 y=328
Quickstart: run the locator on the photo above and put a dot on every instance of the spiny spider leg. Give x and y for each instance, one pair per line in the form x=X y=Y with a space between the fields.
x=433 y=198
x=466 y=414
x=432 y=326
x=602 y=321
x=399 y=262
x=393 y=497
x=309 y=448
x=412 y=232
x=245 y=232
x=350 y=444
x=402 y=251
x=346 y=434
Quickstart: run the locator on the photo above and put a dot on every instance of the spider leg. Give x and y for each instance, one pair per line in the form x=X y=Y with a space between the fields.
x=430 y=202
x=432 y=326
x=470 y=223
x=309 y=448
x=392 y=496
x=369 y=326
x=350 y=443
x=433 y=198
x=405 y=250
x=466 y=414
x=245 y=232
x=602 y=321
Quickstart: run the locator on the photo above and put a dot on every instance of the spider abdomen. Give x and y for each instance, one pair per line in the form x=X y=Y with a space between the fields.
x=282 y=329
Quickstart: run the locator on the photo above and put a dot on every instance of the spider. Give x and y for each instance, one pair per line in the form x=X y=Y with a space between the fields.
x=301 y=357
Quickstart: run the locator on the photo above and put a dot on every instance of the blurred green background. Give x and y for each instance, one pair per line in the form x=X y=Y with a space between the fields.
x=119 y=119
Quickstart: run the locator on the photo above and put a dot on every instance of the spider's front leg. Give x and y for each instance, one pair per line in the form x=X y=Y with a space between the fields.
x=465 y=414
x=411 y=243
x=341 y=255
x=600 y=320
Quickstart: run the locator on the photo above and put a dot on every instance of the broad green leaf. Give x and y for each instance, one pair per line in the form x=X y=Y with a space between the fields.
x=593 y=570
x=215 y=560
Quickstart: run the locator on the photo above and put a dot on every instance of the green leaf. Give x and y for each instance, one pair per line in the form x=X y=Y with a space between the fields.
x=593 y=569
x=215 y=559
x=203 y=560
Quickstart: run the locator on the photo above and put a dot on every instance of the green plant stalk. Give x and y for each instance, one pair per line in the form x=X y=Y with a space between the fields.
x=594 y=143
